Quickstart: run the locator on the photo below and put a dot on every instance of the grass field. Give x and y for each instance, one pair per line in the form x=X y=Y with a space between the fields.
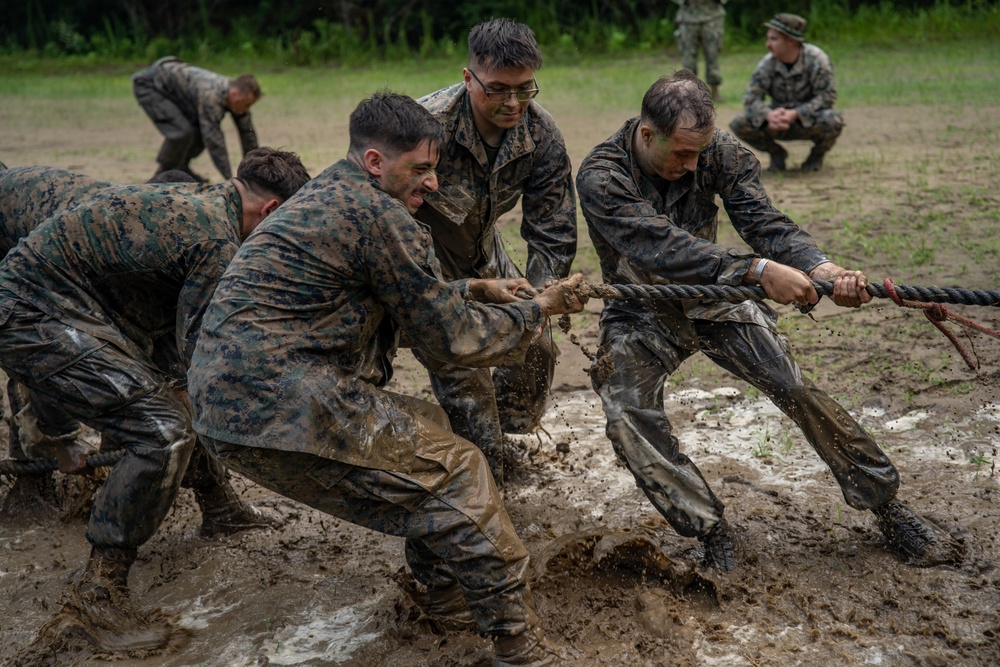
x=910 y=192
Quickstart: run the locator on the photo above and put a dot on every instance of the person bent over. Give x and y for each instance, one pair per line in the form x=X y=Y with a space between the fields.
x=798 y=77
x=85 y=301
x=296 y=347
x=187 y=105
x=653 y=185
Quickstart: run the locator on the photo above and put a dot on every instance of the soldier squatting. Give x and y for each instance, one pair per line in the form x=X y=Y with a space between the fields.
x=118 y=303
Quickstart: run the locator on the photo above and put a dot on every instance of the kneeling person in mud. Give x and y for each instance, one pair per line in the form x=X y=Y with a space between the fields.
x=86 y=300
x=648 y=195
x=286 y=380
x=28 y=197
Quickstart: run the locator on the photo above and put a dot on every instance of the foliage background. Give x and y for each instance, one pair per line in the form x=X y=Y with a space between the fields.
x=307 y=32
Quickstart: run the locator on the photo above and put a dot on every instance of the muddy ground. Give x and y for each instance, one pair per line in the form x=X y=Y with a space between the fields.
x=908 y=193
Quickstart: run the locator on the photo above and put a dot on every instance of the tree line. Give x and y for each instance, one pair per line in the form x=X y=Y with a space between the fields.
x=314 y=32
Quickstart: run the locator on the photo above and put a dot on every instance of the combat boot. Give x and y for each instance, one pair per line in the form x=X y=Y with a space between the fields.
x=99 y=610
x=720 y=552
x=444 y=608
x=528 y=649
x=778 y=158
x=814 y=162
x=716 y=97
x=913 y=539
x=223 y=513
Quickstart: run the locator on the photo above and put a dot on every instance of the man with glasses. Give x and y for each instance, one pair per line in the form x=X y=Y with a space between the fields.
x=500 y=147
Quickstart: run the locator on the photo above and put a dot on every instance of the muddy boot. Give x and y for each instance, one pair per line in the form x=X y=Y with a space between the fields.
x=814 y=162
x=32 y=495
x=98 y=608
x=720 y=552
x=223 y=513
x=526 y=649
x=444 y=608
x=778 y=158
x=716 y=96
x=914 y=539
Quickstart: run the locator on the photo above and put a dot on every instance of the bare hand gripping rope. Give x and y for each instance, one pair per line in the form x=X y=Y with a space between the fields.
x=928 y=299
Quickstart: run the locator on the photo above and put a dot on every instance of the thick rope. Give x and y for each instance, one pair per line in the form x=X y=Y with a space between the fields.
x=737 y=293
x=36 y=466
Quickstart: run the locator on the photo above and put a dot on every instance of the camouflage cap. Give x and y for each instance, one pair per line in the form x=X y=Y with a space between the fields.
x=792 y=25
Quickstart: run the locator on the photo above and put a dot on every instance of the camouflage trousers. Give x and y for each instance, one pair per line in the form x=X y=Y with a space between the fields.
x=203 y=471
x=823 y=132
x=482 y=404
x=706 y=35
x=643 y=438
x=453 y=519
x=182 y=140
x=122 y=398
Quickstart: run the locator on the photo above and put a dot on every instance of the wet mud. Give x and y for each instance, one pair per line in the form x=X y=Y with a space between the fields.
x=614 y=585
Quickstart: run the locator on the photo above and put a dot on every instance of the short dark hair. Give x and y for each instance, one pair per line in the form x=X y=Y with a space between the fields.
x=503 y=44
x=173 y=176
x=247 y=84
x=269 y=170
x=679 y=98
x=393 y=124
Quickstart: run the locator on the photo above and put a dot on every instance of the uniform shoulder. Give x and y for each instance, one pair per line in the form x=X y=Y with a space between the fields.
x=442 y=102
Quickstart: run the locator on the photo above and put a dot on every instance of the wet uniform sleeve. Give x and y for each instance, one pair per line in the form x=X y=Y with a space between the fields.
x=653 y=242
x=548 y=224
x=754 y=102
x=248 y=136
x=767 y=230
x=211 y=111
x=824 y=90
x=434 y=314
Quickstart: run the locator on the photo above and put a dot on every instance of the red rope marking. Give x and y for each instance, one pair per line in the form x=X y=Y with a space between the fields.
x=937 y=314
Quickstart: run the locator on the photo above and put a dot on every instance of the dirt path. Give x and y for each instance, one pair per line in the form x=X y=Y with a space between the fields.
x=908 y=193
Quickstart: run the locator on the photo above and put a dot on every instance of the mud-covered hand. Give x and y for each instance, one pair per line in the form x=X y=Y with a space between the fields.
x=848 y=286
x=72 y=458
x=500 y=290
x=562 y=296
x=786 y=284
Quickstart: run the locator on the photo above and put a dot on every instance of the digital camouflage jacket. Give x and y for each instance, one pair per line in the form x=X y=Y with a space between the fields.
x=31 y=195
x=131 y=263
x=806 y=86
x=653 y=231
x=201 y=97
x=532 y=166
x=302 y=330
x=700 y=11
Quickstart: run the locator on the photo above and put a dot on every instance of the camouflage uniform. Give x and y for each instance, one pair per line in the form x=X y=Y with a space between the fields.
x=92 y=302
x=287 y=375
x=701 y=23
x=187 y=105
x=28 y=197
x=651 y=231
x=532 y=165
x=806 y=86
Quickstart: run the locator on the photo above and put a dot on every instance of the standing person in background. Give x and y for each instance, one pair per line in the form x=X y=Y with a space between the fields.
x=798 y=77
x=500 y=147
x=187 y=105
x=702 y=23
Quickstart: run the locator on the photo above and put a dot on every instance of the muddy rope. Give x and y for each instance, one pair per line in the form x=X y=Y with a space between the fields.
x=36 y=466
x=928 y=299
x=737 y=293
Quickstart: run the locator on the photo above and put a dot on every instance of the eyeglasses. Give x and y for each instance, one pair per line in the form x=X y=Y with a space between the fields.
x=504 y=95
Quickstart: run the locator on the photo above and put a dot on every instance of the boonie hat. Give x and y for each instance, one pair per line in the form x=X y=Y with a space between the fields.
x=792 y=25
